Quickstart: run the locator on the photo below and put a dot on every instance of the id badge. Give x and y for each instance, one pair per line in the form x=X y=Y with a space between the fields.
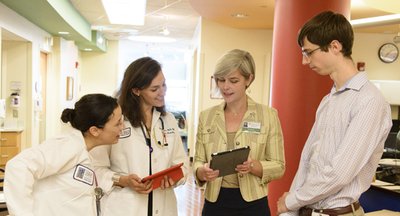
x=252 y=127
x=84 y=174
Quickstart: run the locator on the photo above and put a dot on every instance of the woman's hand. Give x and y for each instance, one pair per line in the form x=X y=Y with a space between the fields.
x=167 y=182
x=134 y=182
x=245 y=167
x=250 y=166
x=205 y=173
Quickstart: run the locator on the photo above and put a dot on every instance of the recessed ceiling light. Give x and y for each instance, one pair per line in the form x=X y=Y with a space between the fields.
x=87 y=49
x=113 y=29
x=129 y=12
x=63 y=33
x=240 y=15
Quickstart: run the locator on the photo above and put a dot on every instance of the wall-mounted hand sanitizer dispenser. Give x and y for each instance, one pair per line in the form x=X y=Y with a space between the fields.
x=15 y=100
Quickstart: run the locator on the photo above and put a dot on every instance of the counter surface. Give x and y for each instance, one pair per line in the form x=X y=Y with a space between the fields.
x=386 y=185
x=11 y=129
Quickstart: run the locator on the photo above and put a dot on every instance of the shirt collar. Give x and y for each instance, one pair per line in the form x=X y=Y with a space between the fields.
x=355 y=83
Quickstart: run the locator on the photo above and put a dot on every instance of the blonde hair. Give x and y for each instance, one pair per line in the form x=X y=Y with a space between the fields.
x=233 y=60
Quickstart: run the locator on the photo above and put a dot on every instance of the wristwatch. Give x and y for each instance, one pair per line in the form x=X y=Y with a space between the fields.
x=115 y=178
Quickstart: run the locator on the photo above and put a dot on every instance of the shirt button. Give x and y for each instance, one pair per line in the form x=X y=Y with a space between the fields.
x=240 y=175
x=237 y=143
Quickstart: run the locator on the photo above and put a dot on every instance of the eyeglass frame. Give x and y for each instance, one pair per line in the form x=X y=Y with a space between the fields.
x=308 y=54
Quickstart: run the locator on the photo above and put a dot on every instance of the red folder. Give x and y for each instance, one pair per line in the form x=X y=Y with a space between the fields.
x=174 y=172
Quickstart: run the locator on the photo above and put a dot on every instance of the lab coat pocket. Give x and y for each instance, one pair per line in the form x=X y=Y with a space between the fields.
x=124 y=201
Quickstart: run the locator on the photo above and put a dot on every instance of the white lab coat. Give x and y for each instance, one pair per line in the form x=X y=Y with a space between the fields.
x=42 y=180
x=131 y=156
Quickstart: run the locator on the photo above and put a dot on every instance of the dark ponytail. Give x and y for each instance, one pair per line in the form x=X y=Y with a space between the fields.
x=90 y=110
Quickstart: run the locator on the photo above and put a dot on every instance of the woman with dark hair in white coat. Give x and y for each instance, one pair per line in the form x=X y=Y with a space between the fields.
x=149 y=143
x=57 y=176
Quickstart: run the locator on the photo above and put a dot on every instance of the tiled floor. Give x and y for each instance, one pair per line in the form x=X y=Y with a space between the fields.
x=190 y=198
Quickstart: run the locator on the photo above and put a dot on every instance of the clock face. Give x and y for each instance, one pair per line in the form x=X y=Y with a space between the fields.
x=388 y=52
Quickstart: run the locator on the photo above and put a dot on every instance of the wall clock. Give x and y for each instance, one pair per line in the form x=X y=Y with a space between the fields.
x=388 y=52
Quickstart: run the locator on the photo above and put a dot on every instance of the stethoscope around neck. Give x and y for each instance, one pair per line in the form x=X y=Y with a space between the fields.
x=164 y=136
x=162 y=143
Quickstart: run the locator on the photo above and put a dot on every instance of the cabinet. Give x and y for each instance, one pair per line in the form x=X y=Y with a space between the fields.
x=10 y=144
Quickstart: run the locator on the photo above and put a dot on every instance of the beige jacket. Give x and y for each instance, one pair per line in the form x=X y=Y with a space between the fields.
x=266 y=146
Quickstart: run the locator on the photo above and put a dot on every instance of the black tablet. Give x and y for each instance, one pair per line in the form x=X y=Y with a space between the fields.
x=227 y=161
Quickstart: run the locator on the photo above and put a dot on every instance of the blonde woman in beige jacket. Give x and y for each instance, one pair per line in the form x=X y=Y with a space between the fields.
x=235 y=123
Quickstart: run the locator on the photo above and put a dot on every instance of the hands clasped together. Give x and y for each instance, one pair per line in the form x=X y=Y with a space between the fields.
x=135 y=183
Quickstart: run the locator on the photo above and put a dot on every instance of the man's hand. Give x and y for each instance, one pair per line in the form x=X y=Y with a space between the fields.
x=281 y=204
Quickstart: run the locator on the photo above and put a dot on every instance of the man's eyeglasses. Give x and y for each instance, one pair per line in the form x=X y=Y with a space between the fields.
x=308 y=53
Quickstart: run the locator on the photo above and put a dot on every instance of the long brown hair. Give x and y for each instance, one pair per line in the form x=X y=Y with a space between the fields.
x=138 y=75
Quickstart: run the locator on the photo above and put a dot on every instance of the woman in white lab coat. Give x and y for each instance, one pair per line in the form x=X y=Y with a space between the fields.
x=57 y=176
x=149 y=143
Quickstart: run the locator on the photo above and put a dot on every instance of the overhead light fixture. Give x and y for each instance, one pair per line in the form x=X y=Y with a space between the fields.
x=165 y=31
x=152 y=39
x=114 y=29
x=239 y=15
x=357 y=3
x=125 y=12
x=100 y=40
x=88 y=49
x=374 y=21
x=63 y=33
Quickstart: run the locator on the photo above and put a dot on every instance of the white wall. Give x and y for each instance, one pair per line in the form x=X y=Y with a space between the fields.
x=99 y=71
x=62 y=64
x=217 y=39
x=37 y=40
x=366 y=46
x=15 y=64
